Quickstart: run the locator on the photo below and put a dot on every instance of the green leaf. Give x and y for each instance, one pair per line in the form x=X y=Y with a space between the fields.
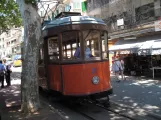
x=9 y=15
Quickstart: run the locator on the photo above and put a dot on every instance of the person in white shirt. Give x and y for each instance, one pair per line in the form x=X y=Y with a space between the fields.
x=117 y=68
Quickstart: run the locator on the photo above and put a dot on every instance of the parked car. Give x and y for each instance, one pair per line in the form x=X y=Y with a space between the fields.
x=17 y=63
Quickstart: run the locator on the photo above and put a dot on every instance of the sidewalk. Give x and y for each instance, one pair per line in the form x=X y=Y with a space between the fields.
x=137 y=92
x=10 y=105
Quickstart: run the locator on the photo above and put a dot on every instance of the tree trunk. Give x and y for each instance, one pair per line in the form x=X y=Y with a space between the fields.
x=32 y=38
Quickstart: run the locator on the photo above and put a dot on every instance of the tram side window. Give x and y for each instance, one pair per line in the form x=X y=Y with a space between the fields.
x=71 y=45
x=53 y=49
x=104 y=39
x=92 y=45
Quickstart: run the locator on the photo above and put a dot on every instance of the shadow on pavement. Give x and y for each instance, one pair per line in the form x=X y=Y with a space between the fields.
x=139 y=93
x=16 y=76
x=10 y=104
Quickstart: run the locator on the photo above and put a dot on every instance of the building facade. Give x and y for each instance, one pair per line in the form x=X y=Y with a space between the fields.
x=134 y=29
x=10 y=42
x=66 y=6
x=122 y=15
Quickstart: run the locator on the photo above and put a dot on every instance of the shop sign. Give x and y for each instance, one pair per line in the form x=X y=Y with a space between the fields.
x=120 y=22
x=158 y=25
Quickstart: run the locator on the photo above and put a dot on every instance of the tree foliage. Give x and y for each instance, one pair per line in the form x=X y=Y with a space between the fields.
x=9 y=15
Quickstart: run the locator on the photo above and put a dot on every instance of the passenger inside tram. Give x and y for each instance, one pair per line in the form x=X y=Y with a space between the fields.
x=88 y=52
x=77 y=53
x=71 y=45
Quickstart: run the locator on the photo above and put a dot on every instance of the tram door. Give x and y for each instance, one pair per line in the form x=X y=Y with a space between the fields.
x=53 y=64
x=41 y=69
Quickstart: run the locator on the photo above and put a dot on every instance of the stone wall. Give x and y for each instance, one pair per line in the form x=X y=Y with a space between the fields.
x=133 y=12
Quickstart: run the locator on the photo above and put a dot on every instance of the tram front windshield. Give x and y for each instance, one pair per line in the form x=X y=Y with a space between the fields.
x=88 y=45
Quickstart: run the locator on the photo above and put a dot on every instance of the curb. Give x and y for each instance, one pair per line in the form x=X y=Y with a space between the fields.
x=156 y=116
x=52 y=108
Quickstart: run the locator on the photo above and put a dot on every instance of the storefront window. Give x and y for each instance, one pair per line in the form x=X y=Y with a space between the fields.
x=104 y=39
x=92 y=45
x=71 y=45
x=77 y=5
x=53 y=49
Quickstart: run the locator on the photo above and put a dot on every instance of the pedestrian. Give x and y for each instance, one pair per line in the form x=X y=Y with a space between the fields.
x=123 y=67
x=114 y=56
x=117 y=68
x=2 y=73
x=7 y=72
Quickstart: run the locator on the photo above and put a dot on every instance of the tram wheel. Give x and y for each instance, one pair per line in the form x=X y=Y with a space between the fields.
x=104 y=101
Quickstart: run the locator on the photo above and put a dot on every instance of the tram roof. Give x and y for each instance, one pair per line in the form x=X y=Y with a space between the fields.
x=73 y=20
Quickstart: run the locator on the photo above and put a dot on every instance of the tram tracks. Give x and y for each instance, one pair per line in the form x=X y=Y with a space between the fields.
x=115 y=111
x=81 y=112
x=138 y=109
x=127 y=112
x=87 y=111
x=96 y=111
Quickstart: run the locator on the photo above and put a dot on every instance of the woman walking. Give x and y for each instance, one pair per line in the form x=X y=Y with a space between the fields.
x=117 y=69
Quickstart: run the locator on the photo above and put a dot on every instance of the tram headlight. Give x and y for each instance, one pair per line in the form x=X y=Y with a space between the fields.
x=95 y=80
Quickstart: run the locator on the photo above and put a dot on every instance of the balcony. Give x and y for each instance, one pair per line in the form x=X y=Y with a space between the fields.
x=131 y=28
x=142 y=22
x=125 y=31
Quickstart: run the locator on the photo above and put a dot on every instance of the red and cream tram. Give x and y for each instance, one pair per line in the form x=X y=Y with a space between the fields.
x=74 y=57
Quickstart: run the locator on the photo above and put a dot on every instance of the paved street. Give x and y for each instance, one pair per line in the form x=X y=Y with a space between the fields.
x=10 y=104
x=138 y=93
x=135 y=92
x=16 y=69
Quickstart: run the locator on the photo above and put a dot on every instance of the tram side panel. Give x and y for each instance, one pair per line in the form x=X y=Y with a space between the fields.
x=77 y=79
x=42 y=77
x=54 y=77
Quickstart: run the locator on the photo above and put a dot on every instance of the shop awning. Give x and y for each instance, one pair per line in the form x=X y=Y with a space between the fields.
x=152 y=47
x=126 y=45
x=156 y=44
x=135 y=46
x=147 y=45
x=152 y=44
x=156 y=52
